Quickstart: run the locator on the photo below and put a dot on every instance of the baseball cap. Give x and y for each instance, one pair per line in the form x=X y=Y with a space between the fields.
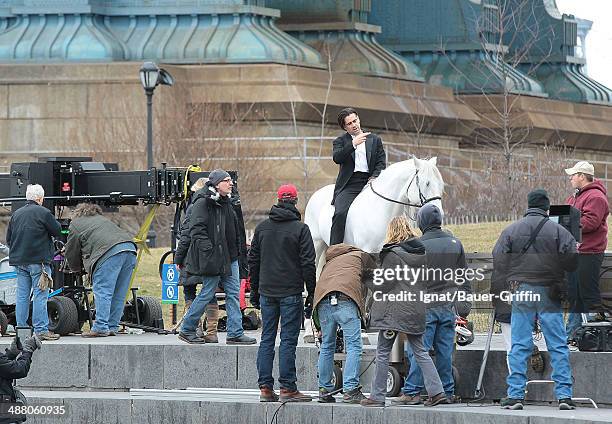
x=583 y=167
x=287 y=191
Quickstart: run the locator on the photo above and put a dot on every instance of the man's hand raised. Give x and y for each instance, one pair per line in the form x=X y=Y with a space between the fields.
x=360 y=138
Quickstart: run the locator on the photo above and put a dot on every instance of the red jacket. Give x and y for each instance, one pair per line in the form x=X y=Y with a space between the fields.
x=592 y=201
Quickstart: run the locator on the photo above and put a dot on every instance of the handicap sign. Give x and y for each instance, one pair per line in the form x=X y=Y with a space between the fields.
x=170 y=277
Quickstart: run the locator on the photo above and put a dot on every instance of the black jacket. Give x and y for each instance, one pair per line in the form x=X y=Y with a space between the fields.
x=552 y=254
x=445 y=255
x=213 y=238
x=282 y=255
x=184 y=240
x=29 y=235
x=406 y=316
x=344 y=155
x=13 y=367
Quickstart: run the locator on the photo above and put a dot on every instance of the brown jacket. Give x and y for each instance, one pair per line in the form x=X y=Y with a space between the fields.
x=344 y=272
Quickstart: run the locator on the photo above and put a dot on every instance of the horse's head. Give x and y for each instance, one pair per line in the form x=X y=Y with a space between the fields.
x=427 y=185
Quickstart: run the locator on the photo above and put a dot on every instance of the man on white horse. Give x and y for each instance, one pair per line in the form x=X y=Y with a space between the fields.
x=361 y=157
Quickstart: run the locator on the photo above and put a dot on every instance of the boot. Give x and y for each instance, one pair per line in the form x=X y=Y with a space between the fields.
x=267 y=394
x=212 y=318
x=293 y=396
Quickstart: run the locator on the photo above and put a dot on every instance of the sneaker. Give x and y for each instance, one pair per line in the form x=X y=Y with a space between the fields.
x=407 y=400
x=325 y=397
x=93 y=333
x=371 y=403
x=353 y=396
x=436 y=400
x=267 y=394
x=242 y=340
x=566 y=404
x=293 y=396
x=509 y=403
x=48 y=336
x=191 y=338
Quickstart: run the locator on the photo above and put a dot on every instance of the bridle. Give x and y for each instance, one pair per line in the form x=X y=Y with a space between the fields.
x=424 y=200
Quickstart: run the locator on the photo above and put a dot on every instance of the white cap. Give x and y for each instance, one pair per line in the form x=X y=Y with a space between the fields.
x=581 y=167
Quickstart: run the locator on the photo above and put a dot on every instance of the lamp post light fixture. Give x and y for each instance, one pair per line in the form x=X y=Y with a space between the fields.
x=150 y=77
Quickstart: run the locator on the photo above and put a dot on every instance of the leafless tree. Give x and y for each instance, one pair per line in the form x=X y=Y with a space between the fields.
x=509 y=32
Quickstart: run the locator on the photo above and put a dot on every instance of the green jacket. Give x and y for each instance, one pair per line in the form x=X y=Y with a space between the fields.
x=89 y=238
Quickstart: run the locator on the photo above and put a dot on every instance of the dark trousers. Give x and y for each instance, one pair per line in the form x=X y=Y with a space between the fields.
x=583 y=287
x=343 y=202
x=288 y=311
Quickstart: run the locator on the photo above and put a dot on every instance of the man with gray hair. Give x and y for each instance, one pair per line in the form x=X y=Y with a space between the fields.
x=29 y=237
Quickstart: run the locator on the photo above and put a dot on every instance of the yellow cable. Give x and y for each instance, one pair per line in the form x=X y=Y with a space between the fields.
x=141 y=241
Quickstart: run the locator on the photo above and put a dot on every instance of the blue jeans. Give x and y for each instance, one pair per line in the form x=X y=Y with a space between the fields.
x=111 y=281
x=27 y=280
x=231 y=287
x=288 y=310
x=346 y=315
x=551 y=322
x=439 y=334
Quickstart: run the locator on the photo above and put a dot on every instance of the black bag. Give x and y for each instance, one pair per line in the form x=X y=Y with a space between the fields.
x=591 y=338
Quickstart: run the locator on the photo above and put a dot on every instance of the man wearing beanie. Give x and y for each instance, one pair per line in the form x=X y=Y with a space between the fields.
x=281 y=261
x=530 y=259
x=591 y=198
x=444 y=252
x=214 y=249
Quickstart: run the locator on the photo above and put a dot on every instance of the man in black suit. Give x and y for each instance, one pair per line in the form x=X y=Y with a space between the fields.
x=361 y=157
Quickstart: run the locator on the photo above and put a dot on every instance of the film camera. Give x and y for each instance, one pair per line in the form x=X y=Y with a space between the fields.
x=68 y=181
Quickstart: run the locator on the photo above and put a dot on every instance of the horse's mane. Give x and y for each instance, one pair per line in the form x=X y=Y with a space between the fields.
x=428 y=170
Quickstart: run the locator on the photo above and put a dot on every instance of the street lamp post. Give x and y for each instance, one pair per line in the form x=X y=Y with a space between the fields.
x=150 y=77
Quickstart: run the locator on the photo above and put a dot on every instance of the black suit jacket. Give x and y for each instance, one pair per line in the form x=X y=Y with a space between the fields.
x=344 y=155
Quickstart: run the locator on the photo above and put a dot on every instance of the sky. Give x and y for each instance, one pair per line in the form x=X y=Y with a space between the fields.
x=599 y=39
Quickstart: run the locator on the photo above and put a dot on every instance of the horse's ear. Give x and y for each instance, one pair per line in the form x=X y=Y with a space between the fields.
x=433 y=160
x=417 y=162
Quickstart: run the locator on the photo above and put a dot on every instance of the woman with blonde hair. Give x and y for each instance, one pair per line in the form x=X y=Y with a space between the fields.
x=398 y=308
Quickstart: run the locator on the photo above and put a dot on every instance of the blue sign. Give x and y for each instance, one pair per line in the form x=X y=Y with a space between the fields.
x=170 y=278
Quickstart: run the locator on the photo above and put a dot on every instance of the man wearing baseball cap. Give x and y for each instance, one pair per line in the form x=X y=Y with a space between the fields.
x=591 y=198
x=281 y=261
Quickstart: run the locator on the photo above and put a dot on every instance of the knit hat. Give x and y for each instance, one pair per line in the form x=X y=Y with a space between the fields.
x=287 y=192
x=216 y=176
x=538 y=199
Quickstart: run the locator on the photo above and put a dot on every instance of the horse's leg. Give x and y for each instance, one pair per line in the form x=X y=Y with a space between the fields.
x=320 y=249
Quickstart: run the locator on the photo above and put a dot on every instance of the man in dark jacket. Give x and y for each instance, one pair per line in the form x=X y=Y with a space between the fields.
x=340 y=302
x=281 y=261
x=213 y=255
x=29 y=237
x=190 y=282
x=97 y=246
x=531 y=256
x=445 y=255
x=361 y=157
x=15 y=364
x=591 y=198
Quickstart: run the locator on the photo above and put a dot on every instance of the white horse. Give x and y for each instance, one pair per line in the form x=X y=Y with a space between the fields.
x=400 y=189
